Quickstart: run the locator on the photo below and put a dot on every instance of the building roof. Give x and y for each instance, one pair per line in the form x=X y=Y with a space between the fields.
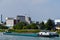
x=20 y=16
x=9 y=18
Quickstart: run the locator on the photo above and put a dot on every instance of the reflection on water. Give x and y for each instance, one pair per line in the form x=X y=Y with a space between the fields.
x=11 y=37
x=42 y=38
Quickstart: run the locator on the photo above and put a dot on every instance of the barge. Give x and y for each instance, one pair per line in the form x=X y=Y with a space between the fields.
x=40 y=34
x=21 y=34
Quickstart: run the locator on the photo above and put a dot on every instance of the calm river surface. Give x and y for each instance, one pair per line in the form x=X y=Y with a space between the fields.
x=11 y=37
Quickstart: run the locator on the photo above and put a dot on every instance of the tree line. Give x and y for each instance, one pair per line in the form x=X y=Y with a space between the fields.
x=49 y=25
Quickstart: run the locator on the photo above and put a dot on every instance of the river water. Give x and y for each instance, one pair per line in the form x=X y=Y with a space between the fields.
x=12 y=37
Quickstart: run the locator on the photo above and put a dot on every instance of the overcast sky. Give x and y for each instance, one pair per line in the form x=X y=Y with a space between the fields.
x=37 y=9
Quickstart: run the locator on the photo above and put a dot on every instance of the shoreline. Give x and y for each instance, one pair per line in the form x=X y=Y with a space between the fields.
x=22 y=30
x=25 y=30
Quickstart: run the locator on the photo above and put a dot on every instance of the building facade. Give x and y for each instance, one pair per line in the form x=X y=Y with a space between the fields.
x=10 y=22
x=24 y=19
x=57 y=21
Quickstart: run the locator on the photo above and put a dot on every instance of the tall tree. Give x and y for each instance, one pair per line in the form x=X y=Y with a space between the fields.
x=50 y=24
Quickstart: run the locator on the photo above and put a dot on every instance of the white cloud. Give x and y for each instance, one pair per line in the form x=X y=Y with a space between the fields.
x=39 y=1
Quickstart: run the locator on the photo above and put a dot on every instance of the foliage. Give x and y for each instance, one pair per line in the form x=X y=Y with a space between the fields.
x=42 y=25
x=33 y=26
x=27 y=27
x=22 y=25
x=19 y=25
x=50 y=24
x=3 y=27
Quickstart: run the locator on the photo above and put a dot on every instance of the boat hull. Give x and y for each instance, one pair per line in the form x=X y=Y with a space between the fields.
x=30 y=34
x=22 y=34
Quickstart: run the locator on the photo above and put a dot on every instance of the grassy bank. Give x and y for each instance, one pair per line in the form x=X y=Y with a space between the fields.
x=58 y=31
x=25 y=30
x=31 y=31
x=2 y=30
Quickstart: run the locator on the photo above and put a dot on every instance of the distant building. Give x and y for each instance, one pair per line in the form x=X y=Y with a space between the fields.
x=58 y=27
x=21 y=18
x=57 y=21
x=24 y=19
x=28 y=20
x=10 y=22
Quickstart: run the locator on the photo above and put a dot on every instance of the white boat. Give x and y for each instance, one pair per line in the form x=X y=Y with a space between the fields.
x=48 y=34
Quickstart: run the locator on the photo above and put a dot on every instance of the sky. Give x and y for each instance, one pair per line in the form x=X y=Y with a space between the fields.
x=38 y=10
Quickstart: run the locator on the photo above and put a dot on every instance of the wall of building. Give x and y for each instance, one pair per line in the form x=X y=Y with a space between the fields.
x=21 y=18
x=28 y=20
x=10 y=23
x=24 y=19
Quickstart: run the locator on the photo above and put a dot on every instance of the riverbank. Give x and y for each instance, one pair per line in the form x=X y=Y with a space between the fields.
x=30 y=31
x=26 y=30
x=21 y=30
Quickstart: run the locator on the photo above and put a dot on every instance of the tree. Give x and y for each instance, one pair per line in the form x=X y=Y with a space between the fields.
x=3 y=27
x=33 y=26
x=27 y=27
x=50 y=24
x=42 y=25
x=22 y=25
x=19 y=25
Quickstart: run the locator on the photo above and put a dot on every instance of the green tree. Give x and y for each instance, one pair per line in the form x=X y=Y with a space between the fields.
x=27 y=27
x=33 y=26
x=22 y=25
x=19 y=25
x=50 y=24
x=42 y=25
x=3 y=27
